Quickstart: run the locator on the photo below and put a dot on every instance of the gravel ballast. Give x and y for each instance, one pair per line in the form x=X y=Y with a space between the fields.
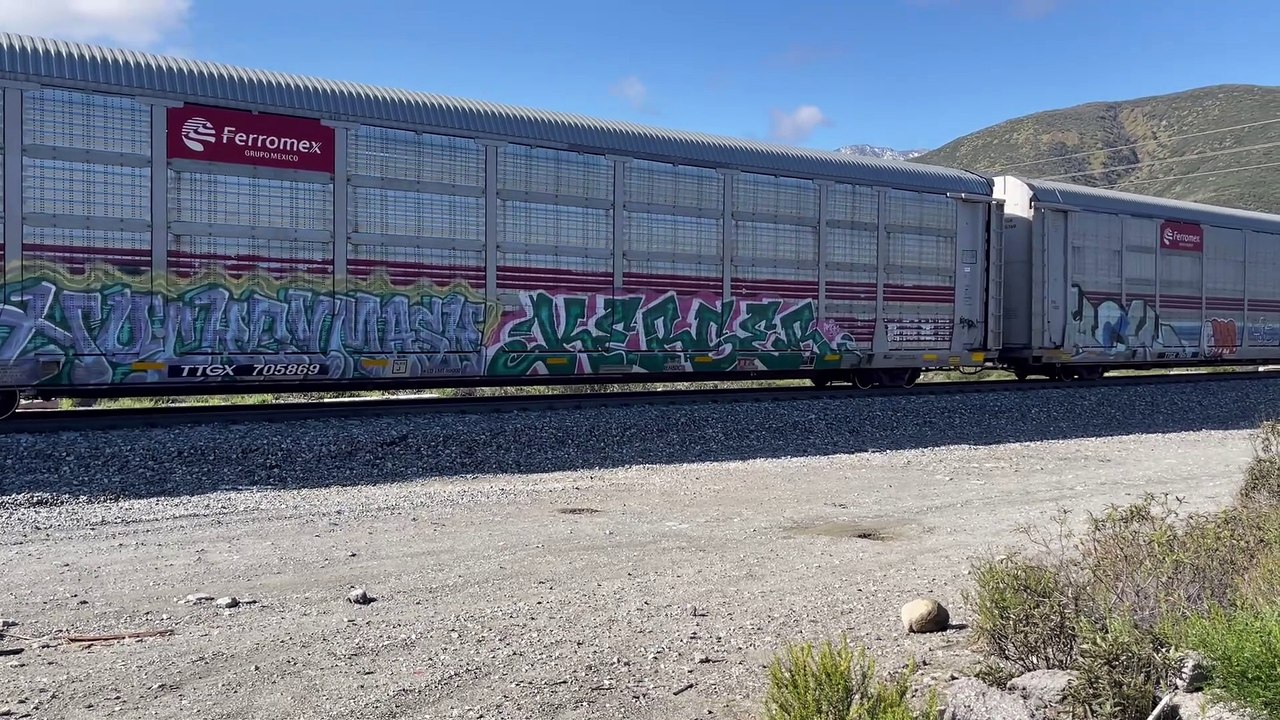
x=566 y=564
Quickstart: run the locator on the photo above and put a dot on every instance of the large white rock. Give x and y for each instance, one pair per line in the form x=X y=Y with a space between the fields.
x=925 y=615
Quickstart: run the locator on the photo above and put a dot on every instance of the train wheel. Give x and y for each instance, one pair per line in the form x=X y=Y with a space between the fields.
x=863 y=380
x=8 y=403
x=1020 y=374
x=1089 y=372
x=903 y=378
x=820 y=381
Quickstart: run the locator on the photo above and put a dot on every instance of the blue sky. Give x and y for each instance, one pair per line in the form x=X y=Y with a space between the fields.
x=901 y=73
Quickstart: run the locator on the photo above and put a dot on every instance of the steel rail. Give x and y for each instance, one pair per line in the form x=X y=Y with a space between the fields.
x=49 y=421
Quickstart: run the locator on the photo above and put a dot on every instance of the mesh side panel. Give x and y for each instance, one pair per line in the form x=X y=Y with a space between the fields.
x=767 y=241
x=783 y=196
x=852 y=246
x=252 y=202
x=388 y=153
x=555 y=171
x=1096 y=251
x=853 y=202
x=1263 y=252
x=70 y=188
x=566 y=227
x=527 y=271
x=661 y=184
x=93 y=122
x=920 y=210
x=81 y=252
x=768 y=273
x=415 y=266
x=1179 y=274
x=925 y=255
x=704 y=273
x=191 y=255
x=394 y=212
x=673 y=234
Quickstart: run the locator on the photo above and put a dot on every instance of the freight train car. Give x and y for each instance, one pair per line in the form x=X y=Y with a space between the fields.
x=172 y=226
x=1098 y=280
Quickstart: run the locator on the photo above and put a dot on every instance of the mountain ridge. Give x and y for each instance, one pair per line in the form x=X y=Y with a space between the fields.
x=1213 y=144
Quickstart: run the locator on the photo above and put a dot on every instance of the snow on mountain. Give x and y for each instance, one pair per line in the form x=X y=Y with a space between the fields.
x=880 y=153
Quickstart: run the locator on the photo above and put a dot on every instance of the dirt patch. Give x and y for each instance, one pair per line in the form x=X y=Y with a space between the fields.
x=577 y=511
x=842 y=529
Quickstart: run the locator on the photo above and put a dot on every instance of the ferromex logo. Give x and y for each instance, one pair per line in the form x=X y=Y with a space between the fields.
x=1181 y=236
x=233 y=136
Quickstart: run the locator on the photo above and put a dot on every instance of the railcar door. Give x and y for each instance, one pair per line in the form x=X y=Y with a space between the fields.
x=1054 y=273
x=972 y=220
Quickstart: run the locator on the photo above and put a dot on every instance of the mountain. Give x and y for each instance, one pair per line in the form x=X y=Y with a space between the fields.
x=1217 y=145
x=880 y=153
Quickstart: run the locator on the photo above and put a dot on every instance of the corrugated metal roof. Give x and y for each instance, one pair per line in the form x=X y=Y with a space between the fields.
x=1088 y=198
x=30 y=59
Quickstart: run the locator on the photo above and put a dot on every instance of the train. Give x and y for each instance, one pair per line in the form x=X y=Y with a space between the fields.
x=175 y=227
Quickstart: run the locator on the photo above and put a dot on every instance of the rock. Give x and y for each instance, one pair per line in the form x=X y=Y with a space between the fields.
x=1197 y=706
x=194 y=598
x=226 y=602
x=1042 y=689
x=925 y=615
x=972 y=699
x=1192 y=674
x=359 y=597
x=7 y=623
x=5 y=711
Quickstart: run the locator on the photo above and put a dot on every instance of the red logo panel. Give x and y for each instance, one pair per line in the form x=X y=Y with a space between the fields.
x=212 y=134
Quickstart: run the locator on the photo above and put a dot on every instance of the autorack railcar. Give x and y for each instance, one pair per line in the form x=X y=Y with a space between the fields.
x=1097 y=280
x=175 y=227
x=181 y=227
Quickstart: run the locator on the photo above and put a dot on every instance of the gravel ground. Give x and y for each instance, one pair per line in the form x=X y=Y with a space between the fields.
x=698 y=540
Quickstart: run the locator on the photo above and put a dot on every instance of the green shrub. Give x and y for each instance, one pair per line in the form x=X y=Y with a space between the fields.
x=1242 y=649
x=1262 y=476
x=836 y=683
x=1106 y=601
x=1148 y=561
x=1027 y=614
x=1122 y=668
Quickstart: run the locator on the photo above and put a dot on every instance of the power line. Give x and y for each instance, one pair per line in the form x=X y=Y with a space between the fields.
x=1162 y=161
x=1189 y=175
x=1134 y=145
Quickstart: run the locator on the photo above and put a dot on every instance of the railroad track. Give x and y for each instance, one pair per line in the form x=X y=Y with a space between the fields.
x=49 y=421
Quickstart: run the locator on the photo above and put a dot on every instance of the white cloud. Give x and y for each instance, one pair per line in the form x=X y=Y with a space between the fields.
x=797 y=125
x=633 y=91
x=134 y=23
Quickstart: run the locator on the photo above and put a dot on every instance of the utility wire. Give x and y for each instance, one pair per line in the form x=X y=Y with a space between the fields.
x=1134 y=145
x=1189 y=175
x=1162 y=161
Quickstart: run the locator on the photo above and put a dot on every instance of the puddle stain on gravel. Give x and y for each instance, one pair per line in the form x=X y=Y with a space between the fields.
x=577 y=511
x=840 y=529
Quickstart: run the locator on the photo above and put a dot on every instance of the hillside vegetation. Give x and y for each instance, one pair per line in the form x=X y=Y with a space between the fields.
x=1106 y=125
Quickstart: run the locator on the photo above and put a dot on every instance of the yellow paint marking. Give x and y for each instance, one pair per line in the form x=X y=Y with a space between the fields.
x=375 y=362
x=831 y=358
x=146 y=366
x=557 y=361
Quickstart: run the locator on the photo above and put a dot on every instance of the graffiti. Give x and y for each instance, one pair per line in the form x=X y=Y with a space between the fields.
x=102 y=334
x=653 y=330
x=1263 y=333
x=1220 y=337
x=1108 y=326
x=109 y=328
